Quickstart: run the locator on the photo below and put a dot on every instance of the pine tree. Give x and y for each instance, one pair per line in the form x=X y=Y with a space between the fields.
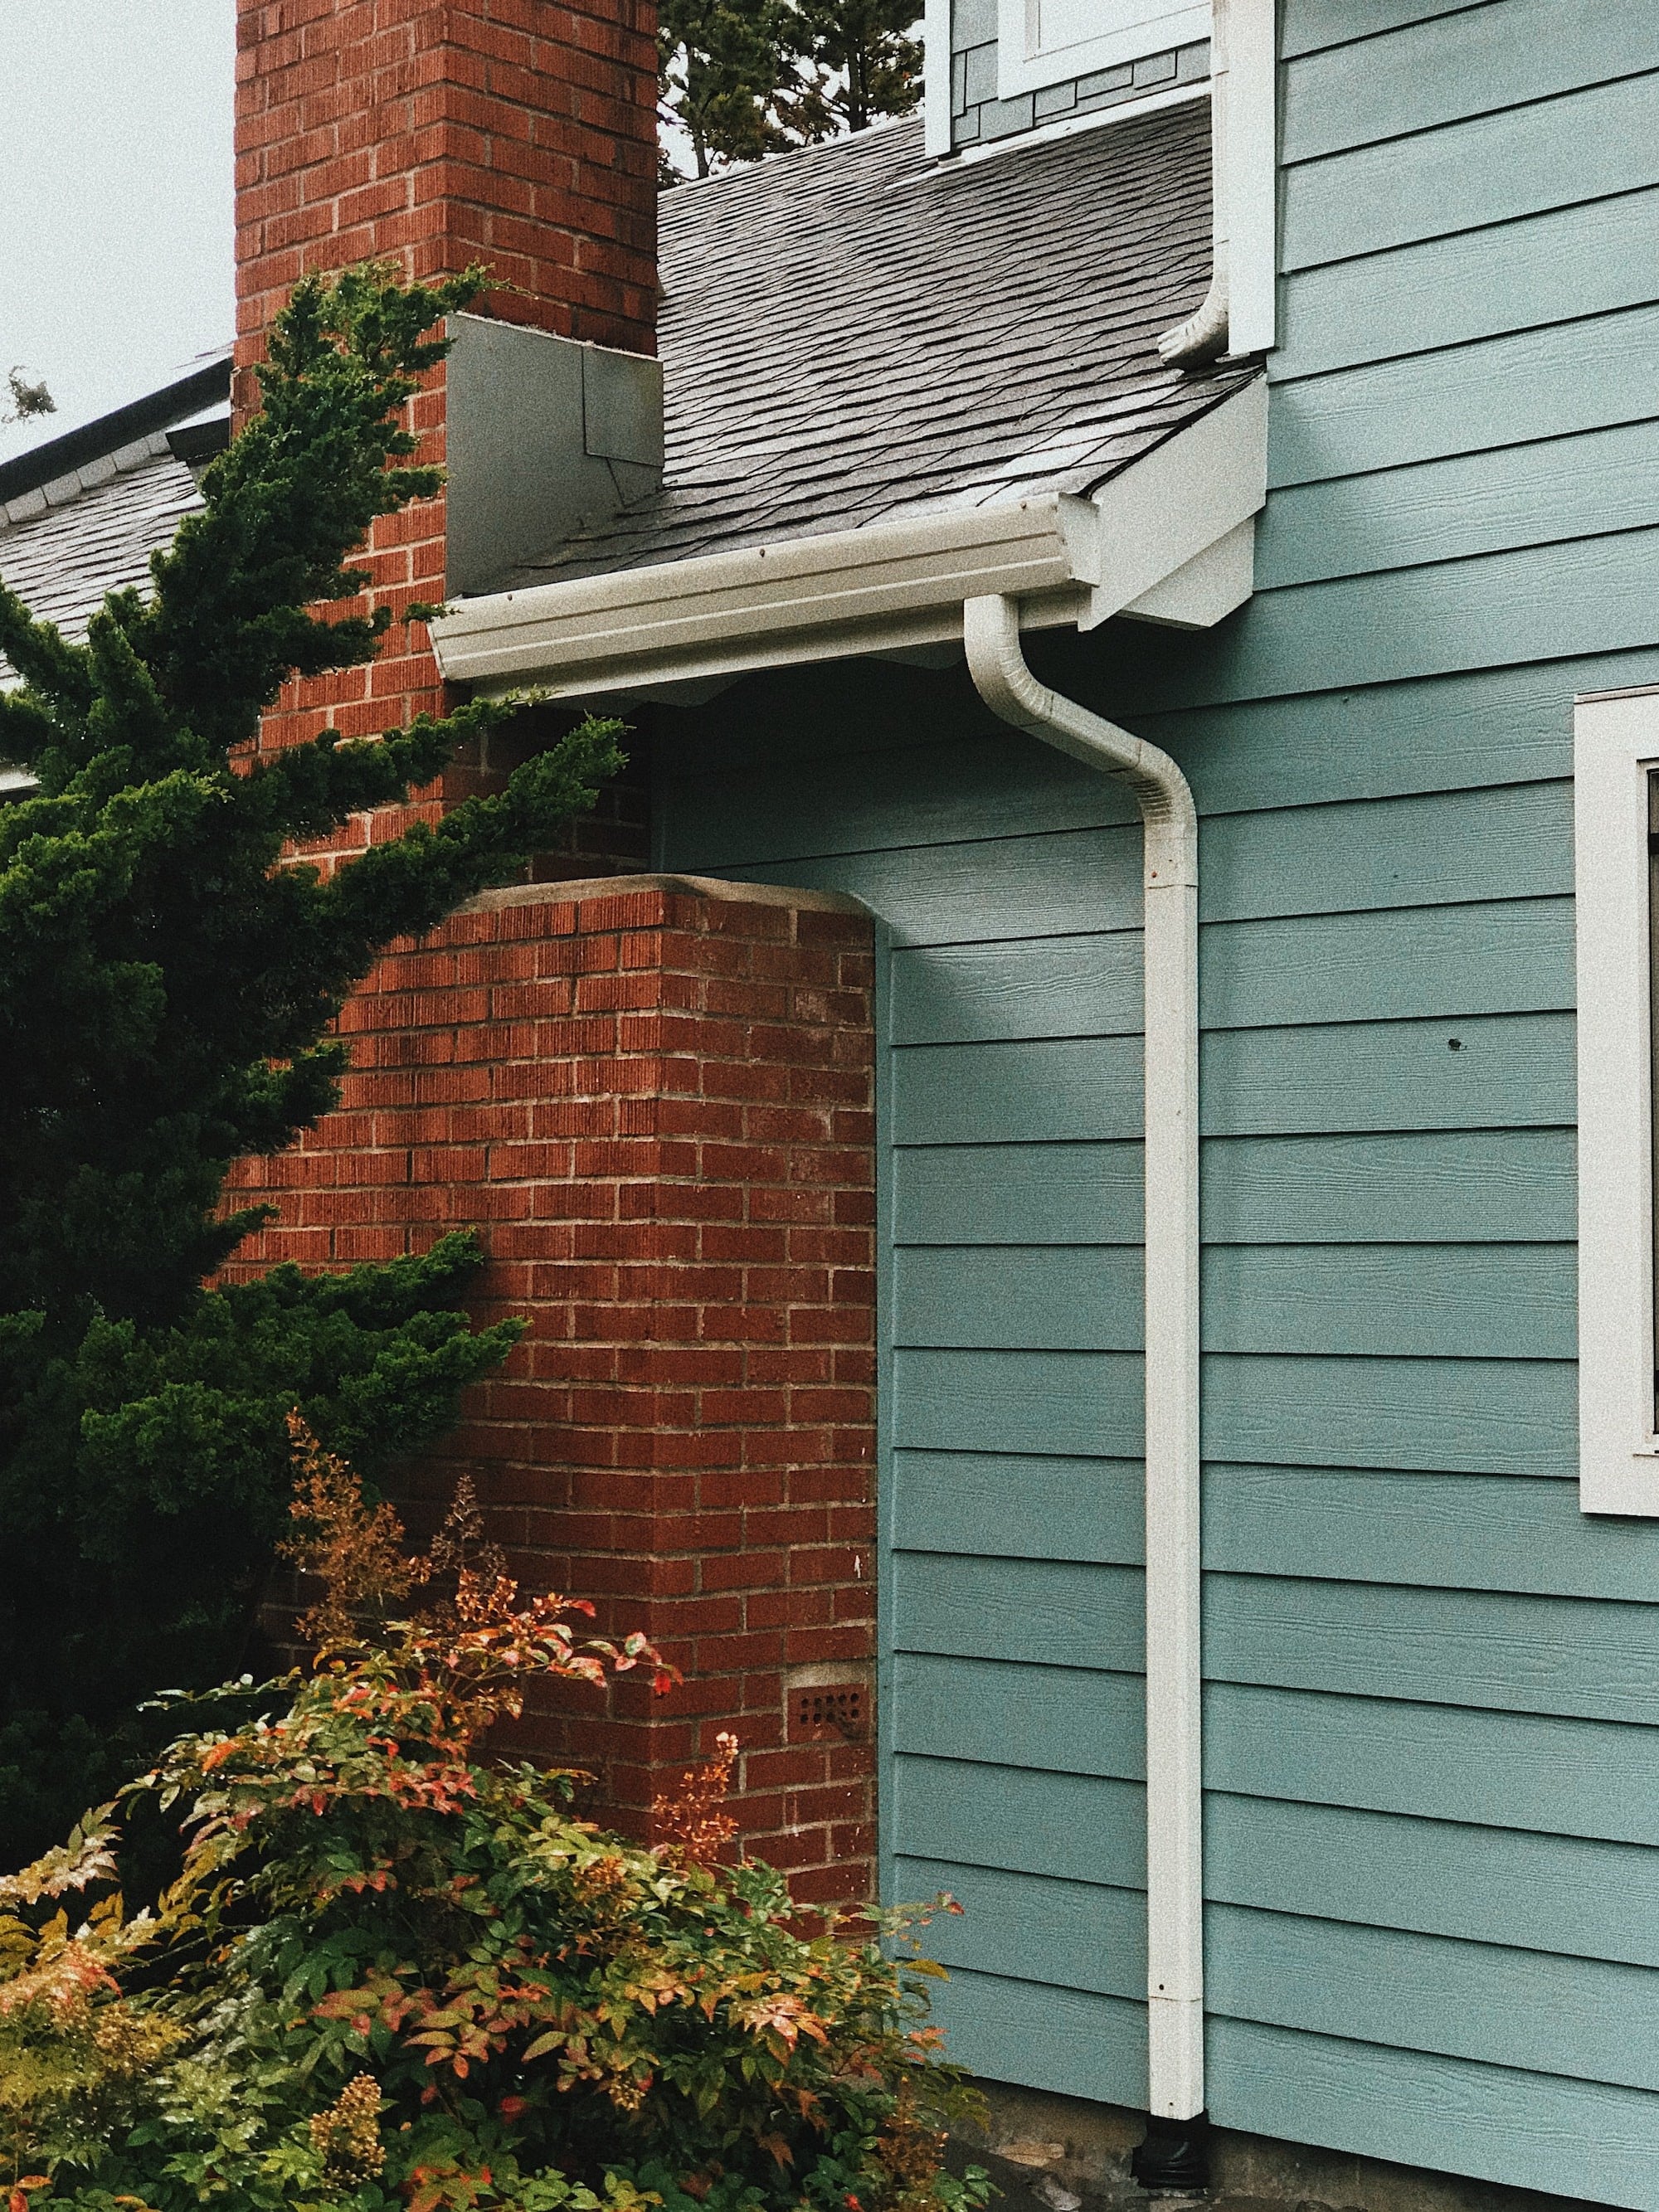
x=858 y=63
x=24 y=400
x=742 y=78
x=719 y=64
x=166 y=986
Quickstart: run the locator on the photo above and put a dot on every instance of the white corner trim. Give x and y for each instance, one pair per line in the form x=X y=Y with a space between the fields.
x=1616 y=743
x=1044 y=42
x=1251 y=183
x=936 y=78
x=890 y=586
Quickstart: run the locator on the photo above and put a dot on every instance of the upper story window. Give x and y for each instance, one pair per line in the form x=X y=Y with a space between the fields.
x=1019 y=65
x=1045 y=43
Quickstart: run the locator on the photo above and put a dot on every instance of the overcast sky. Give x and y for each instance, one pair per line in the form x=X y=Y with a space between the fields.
x=115 y=196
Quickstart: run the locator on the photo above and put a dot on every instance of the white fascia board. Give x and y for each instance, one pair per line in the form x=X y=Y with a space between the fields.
x=888 y=587
x=1207 y=589
x=1186 y=495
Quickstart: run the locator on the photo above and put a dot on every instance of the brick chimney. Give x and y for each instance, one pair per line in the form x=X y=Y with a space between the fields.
x=653 y=1096
x=521 y=133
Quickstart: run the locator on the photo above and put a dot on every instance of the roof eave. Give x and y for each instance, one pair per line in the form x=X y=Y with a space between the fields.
x=1172 y=531
x=60 y=457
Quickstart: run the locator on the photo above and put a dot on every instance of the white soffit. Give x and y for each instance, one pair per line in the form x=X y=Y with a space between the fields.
x=1174 y=529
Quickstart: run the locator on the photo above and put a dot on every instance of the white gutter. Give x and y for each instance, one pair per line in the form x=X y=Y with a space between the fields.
x=1175 y=1885
x=899 y=584
x=1169 y=538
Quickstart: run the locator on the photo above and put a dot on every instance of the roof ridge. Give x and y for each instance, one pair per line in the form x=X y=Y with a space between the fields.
x=61 y=492
x=846 y=143
x=58 y=459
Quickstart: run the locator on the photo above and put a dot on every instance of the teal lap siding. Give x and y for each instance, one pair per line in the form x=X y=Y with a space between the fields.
x=1432 y=1686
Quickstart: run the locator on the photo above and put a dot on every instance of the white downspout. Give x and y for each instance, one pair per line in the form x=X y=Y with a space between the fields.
x=1174 y=1888
x=1204 y=334
x=1238 y=314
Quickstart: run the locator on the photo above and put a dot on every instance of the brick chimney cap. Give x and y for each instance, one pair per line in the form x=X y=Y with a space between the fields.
x=714 y=887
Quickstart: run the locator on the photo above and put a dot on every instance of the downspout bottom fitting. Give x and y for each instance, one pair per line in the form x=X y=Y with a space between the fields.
x=1203 y=336
x=1174 y=2158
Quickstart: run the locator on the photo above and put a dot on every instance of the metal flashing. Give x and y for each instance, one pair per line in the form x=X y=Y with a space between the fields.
x=544 y=435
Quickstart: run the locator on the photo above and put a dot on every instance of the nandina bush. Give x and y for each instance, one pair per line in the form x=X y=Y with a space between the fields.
x=394 y=1973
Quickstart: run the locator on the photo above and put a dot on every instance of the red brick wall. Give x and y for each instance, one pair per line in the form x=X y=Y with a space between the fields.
x=436 y=133
x=656 y=1103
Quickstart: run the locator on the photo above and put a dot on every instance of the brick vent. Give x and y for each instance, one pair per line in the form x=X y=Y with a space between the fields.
x=654 y=1098
x=843 y=1706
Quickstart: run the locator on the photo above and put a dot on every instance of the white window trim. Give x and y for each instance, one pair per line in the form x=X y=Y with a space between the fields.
x=1139 y=30
x=1615 y=746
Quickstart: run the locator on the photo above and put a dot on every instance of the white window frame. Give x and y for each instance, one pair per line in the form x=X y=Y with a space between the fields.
x=1615 y=749
x=1132 y=29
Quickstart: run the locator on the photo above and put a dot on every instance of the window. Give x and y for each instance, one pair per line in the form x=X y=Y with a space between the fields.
x=1043 y=42
x=1616 y=853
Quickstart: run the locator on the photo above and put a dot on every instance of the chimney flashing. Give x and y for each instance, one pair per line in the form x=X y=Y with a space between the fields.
x=622 y=407
x=545 y=436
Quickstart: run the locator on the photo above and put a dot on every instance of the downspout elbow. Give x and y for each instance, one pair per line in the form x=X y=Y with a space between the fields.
x=1203 y=337
x=996 y=660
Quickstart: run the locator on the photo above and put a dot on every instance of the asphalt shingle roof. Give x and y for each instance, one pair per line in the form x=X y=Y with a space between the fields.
x=857 y=333
x=849 y=335
x=81 y=513
x=62 y=557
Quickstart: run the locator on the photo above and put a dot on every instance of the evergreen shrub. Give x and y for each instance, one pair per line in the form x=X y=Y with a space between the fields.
x=167 y=987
